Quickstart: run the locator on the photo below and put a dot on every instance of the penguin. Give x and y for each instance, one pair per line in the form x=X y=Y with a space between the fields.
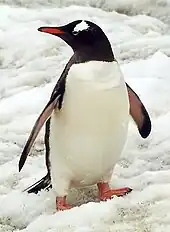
x=86 y=117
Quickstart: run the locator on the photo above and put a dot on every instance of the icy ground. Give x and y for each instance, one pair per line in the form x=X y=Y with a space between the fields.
x=31 y=62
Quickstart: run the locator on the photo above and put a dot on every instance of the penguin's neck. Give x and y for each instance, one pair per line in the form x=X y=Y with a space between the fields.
x=95 y=53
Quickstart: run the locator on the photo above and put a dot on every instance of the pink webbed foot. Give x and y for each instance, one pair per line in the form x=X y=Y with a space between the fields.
x=106 y=193
x=61 y=204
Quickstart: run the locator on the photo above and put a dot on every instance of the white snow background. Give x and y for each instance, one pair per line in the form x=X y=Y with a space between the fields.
x=30 y=64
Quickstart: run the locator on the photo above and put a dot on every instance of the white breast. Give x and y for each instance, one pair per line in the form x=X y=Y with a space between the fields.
x=88 y=134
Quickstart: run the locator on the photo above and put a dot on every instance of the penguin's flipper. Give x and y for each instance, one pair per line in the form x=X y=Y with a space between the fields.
x=46 y=113
x=139 y=113
x=44 y=183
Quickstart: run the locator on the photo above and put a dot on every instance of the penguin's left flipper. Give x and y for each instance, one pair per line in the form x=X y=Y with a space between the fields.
x=46 y=113
x=139 y=113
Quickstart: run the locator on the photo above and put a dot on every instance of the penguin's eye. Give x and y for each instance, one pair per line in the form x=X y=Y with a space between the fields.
x=75 y=32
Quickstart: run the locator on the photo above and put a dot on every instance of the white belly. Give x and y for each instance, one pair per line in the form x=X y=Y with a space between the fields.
x=88 y=134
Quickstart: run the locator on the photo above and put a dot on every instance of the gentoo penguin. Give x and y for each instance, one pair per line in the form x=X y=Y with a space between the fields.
x=86 y=117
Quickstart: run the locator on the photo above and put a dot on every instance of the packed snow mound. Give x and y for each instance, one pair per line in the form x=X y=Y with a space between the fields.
x=155 y=8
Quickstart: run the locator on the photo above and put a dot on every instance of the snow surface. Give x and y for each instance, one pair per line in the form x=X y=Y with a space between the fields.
x=31 y=63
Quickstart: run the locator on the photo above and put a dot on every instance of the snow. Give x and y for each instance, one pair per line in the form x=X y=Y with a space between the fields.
x=31 y=63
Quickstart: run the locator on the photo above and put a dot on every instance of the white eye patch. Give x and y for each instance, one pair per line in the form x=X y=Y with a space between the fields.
x=81 y=26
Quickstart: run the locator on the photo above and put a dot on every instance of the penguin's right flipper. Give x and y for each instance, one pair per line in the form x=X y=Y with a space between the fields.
x=46 y=113
x=44 y=183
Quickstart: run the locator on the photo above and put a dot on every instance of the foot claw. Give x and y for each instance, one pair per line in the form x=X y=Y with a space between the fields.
x=63 y=207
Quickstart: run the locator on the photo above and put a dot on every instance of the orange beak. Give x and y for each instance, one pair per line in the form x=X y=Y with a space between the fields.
x=51 y=30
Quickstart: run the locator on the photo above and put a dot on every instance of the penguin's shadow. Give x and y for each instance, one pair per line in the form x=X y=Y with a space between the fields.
x=83 y=195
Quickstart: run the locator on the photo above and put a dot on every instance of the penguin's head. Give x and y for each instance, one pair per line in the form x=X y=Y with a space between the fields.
x=83 y=37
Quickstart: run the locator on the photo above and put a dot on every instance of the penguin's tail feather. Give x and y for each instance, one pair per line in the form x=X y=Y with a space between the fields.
x=44 y=183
